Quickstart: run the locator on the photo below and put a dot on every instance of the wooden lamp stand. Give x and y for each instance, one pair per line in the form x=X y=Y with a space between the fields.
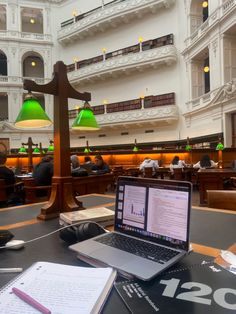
x=62 y=198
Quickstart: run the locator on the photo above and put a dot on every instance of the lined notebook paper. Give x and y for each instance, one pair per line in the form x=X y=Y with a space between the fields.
x=61 y=288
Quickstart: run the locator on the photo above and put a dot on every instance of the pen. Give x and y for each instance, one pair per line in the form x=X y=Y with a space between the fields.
x=29 y=300
x=11 y=270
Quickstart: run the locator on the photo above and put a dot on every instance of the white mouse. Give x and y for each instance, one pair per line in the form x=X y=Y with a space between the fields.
x=15 y=244
x=229 y=257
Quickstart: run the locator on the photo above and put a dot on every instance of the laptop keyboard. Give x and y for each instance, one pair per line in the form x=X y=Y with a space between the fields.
x=140 y=248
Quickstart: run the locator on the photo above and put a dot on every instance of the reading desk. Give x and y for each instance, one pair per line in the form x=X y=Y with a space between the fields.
x=211 y=230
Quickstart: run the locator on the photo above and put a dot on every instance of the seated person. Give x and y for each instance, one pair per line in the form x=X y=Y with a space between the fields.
x=88 y=164
x=43 y=171
x=7 y=175
x=177 y=163
x=100 y=167
x=76 y=170
x=149 y=163
x=205 y=162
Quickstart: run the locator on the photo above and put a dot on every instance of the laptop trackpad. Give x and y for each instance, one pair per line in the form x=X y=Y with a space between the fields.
x=113 y=257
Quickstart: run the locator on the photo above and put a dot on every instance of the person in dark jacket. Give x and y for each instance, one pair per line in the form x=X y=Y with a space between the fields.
x=88 y=164
x=43 y=171
x=76 y=170
x=100 y=166
x=6 y=174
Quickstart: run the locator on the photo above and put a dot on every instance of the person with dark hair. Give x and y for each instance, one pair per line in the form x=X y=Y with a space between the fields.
x=88 y=164
x=177 y=163
x=76 y=170
x=5 y=173
x=14 y=192
x=43 y=171
x=100 y=167
x=205 y=162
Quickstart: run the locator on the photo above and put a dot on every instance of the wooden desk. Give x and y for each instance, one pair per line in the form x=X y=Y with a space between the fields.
x=19 y=220
x=212 y=179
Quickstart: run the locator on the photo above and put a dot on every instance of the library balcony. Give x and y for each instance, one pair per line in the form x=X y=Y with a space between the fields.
x=104 y=17
x=148 y=111
x=149 y=54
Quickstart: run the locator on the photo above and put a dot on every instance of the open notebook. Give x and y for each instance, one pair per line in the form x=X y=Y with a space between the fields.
x=63 y=289
x=152 y=220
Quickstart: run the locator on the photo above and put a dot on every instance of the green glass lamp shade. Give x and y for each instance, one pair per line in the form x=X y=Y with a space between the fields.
x=220 y=146
x=135 y=149
x=32 y=115
x=85 y=120
x=36 y=150
x=188 y=148
x=22 y=150
x=50 y=148
x=87 y=150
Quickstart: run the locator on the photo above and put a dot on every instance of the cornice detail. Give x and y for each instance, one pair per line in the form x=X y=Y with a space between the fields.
x=163 y=114
x=124 y=64
x=109 y=15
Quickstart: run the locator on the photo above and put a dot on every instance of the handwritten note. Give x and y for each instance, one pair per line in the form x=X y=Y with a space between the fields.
x=62 y=289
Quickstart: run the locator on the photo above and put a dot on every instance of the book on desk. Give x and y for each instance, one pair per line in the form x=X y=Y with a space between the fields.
x=62 y=289
x=202 y=288
x=101 y=215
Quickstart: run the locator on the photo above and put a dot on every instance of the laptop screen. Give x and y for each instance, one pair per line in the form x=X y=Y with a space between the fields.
x=155 y=210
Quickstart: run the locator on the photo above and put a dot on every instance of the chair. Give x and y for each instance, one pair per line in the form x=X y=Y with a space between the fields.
x=116 y=171
x=34 y=193
x=223 y=199
x=178 y=174
x=13 y=198
x=148 y=172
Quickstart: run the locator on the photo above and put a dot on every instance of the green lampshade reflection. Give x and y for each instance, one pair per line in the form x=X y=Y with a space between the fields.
x=220 y=146
x=36 y=150
x=32 y=114
x=22 y=150
x=85 y=120
x=135 y=149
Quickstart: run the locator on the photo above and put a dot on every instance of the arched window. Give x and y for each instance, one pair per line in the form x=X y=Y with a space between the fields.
x=3 y=63
x=33 y=66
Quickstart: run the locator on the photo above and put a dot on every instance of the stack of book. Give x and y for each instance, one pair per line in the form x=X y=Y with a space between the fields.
x=101 y=215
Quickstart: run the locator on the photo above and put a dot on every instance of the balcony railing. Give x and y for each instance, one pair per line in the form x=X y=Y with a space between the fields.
x=18 y=80
x=113 y=13
x=152 y=53
x=157 y=108
x=146 y=45
x=32 y=37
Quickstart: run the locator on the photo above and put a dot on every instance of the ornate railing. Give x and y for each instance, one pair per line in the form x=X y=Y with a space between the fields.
x=6 y=34
x=133 y=104
x=113 y=12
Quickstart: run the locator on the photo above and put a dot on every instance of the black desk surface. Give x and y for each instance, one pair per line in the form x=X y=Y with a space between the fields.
x=207 y=228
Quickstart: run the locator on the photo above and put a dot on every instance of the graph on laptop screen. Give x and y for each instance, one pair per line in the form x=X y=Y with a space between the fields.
x=155 y=211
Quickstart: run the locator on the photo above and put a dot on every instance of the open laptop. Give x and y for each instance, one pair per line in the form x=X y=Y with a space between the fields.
x=151 y=230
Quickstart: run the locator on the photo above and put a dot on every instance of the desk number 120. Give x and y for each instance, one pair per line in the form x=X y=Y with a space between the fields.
x=197 y=295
